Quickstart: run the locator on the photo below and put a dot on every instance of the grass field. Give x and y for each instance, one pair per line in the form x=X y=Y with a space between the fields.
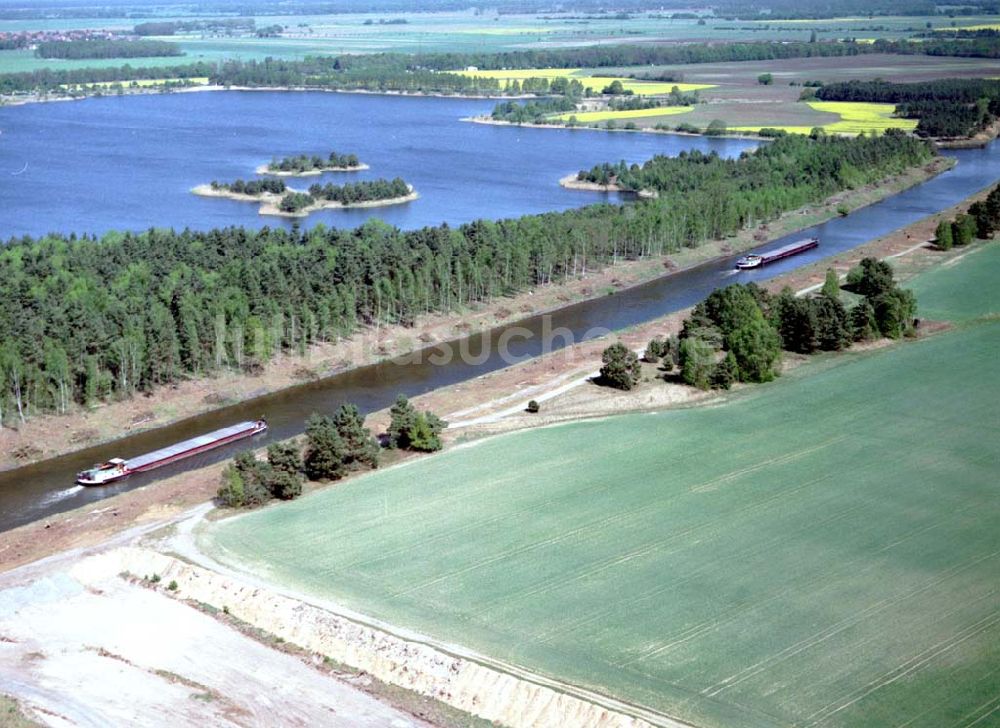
x=975 y=276
x=820 y=551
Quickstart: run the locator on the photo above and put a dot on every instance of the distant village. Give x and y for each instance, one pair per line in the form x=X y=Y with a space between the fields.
x=31 y=38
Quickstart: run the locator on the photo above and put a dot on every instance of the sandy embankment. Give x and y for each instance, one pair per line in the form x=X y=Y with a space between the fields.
x=269 y=202
x=264 y=169
x=469 y=682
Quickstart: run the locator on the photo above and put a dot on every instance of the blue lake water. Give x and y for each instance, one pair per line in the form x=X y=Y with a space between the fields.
x=129 y=163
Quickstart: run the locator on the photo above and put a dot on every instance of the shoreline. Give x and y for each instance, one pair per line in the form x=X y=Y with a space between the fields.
x=36 y=98
x=81 y=429
x=264 y=169
x=571 y=182
x=638 y=130
x=269 y=201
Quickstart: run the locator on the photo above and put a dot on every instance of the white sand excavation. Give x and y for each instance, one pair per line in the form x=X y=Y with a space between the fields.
x=86 y=649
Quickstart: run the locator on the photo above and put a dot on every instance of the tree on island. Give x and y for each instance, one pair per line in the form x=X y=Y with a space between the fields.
x=295 y=201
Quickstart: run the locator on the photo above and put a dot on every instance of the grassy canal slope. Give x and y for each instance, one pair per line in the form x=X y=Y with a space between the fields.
x=820 y=551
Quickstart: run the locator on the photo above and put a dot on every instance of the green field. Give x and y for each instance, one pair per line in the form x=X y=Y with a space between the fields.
x=974 y=275
x=823 y=550
x=465 y=31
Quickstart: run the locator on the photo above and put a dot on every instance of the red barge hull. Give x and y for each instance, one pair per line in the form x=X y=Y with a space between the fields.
x=118 y=469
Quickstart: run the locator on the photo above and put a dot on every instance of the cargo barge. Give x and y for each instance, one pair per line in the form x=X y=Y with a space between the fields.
x=118 y=468
x=756 y=261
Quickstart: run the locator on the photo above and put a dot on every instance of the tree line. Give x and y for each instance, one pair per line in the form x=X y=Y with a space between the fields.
x=532 y=112
x=335 y=446
x=254 y=187
x=790 y=172
x=308 y=163
x=87 y=49
x=429 y=73
x=365 y=191
x=738 y=333
x=211 y=25
x=49 y=80
x=88 y=319
x=982 y=220
x=951 y=107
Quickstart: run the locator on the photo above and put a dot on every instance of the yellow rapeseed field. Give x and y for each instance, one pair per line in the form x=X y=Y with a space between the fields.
x=142 y=82
x=984 y=26
x=586 y=117
x=595 y=83
x=855 y=118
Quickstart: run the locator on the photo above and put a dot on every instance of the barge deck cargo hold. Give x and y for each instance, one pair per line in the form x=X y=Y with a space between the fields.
x=756 y=261
x=118 y=468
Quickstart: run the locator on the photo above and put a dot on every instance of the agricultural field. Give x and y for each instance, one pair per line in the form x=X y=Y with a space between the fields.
x=732 y=93
x=589 y=117
x=142 y=83
x=588 y=78
x=465 y=31
x=855 y=118
x=823 y=550
x=962 y=291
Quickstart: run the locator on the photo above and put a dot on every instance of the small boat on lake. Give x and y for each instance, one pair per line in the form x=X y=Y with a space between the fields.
x=119 y=468
x=757 y=260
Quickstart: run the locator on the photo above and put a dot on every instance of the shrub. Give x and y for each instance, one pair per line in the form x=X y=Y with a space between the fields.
x=285 y=485
x=231 y=488
x=621 y=367
x=963 y=230
x=671 y=352
x=894 y=312
x=765 y=79
x=533 y=406
x=833 y=330
x=757 y=348
x=831 y=286
x=285 y=457
x=325 y=450
x=697 y=362
x=172 y=586
x=360 y=447
x=425 y=435
x=253 y=474
x=412 y=430
x=874 y=278
x=716 y=127
x=654 y=350
x=863 y=324
x=943 y=235
x=725 y=373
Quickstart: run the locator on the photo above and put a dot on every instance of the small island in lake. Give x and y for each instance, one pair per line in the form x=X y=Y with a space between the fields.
x=276 y=198
x=304 y=165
